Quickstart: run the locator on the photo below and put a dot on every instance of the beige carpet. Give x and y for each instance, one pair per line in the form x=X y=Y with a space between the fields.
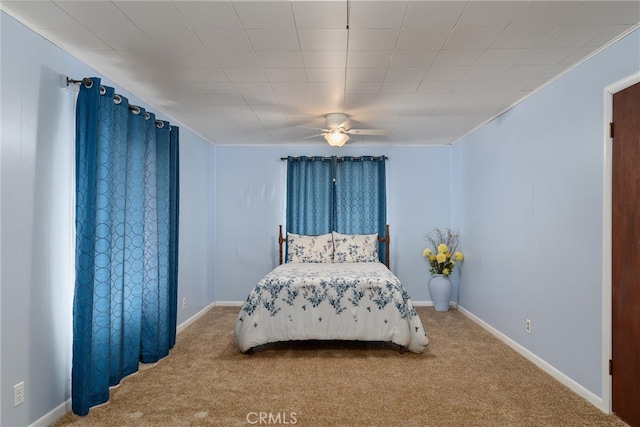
x=465 y=378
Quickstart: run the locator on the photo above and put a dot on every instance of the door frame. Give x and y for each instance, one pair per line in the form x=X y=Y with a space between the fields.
x=607 y=224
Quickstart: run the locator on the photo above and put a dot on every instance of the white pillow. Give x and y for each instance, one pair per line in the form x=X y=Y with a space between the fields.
x=355 y=247
x=302 y=248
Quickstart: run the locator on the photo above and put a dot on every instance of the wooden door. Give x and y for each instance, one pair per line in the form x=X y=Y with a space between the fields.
x=625 y=310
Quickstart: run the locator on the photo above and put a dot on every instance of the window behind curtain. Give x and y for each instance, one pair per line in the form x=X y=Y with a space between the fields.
x=344 y=194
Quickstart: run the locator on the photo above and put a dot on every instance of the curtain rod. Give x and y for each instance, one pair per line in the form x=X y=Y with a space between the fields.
x=86 y=81
x=339 y=158
x=117 y=99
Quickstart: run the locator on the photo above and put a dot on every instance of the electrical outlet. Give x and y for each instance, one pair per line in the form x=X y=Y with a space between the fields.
x=184 y=303
x=527 y=326
x=18 y=394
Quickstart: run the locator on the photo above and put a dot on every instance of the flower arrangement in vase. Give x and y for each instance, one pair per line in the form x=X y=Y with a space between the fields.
x=442 y=258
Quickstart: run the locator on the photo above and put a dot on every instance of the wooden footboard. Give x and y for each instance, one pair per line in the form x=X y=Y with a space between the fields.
x=386 y=240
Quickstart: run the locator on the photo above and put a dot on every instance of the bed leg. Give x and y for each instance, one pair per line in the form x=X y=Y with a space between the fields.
x=402 y=349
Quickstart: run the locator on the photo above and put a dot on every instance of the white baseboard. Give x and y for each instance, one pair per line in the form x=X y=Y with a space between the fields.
x=202 y=312
x=452 y=304
x=182 y=326
x=422 y=303
x=229 y=304
x=53 y=415
x=545 y=366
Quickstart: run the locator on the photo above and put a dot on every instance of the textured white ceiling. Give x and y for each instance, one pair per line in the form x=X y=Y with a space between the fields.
x=259 y=72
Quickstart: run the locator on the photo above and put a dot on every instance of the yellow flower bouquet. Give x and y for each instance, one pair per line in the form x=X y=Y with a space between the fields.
x=442 y=256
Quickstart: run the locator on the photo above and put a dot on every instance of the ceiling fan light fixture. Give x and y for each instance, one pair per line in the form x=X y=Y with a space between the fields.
x=336 y=138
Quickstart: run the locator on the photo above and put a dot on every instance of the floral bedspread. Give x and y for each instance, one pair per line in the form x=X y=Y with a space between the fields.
x=332 y=301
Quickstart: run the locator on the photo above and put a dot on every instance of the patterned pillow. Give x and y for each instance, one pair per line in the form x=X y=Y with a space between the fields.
x=355 y=247
x=301 y=248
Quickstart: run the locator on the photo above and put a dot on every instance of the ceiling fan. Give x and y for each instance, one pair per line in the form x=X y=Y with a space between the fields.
x=338 y=130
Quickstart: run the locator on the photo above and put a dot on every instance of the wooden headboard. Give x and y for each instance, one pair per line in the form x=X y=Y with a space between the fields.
x=386 y=240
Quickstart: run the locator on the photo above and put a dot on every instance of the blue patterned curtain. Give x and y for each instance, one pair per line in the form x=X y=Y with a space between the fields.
x=361 y=197
x=343 y=194
x=310 y=195
x=125 y=300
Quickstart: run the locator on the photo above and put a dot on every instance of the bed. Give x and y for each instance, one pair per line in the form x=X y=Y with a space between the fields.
x=332 y=287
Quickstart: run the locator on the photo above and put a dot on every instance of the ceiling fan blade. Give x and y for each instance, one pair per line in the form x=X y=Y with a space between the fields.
x=313 y=136
x=318 y=129
x=381 y=132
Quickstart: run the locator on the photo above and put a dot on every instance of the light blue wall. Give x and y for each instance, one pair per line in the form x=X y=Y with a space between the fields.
x=36 y=221
x=197 y=225
x=250 y=204
x=529 y=204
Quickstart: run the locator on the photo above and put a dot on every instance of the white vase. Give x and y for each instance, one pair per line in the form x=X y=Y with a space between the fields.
x=440 y=290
